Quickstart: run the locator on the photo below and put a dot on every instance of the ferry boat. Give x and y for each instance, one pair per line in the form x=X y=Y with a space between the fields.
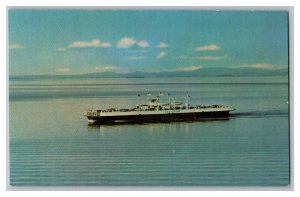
x=157 y=111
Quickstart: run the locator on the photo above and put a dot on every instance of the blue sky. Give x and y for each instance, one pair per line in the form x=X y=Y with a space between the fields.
x=84 y=41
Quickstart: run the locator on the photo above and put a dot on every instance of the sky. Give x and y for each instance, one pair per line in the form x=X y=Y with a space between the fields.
x=86 y=41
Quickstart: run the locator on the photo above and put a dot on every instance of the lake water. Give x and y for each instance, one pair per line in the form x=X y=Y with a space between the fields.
x=50 y=142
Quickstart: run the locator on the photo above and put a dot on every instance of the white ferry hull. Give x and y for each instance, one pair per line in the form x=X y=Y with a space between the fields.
x=157 y=116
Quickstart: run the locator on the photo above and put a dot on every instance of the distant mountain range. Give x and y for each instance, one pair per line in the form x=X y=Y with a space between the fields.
x=203 y=72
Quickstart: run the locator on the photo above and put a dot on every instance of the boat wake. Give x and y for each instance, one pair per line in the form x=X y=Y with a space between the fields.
x=256 y=114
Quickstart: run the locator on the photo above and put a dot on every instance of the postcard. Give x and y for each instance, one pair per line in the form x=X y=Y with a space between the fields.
x=129 y=97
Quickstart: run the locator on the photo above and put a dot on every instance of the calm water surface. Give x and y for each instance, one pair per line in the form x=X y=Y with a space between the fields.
x=52 y=144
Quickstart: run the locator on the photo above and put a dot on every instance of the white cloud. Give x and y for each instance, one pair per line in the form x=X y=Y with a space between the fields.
x=212 y=47
x=86 y=44
x=106 y=68
x=162 y=45
x=16 y=46
x=189 y=68
x=143 y=44
x=62 y=70
x=260 y=65
x=126 y=42
x=211 y=57
x=161 y=55
x=136 y=57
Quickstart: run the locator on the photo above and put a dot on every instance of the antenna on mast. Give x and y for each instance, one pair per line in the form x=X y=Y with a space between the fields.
x=138 y=100
x=187 y=101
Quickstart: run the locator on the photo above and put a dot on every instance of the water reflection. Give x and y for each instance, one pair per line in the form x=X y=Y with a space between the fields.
x=153 y=128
